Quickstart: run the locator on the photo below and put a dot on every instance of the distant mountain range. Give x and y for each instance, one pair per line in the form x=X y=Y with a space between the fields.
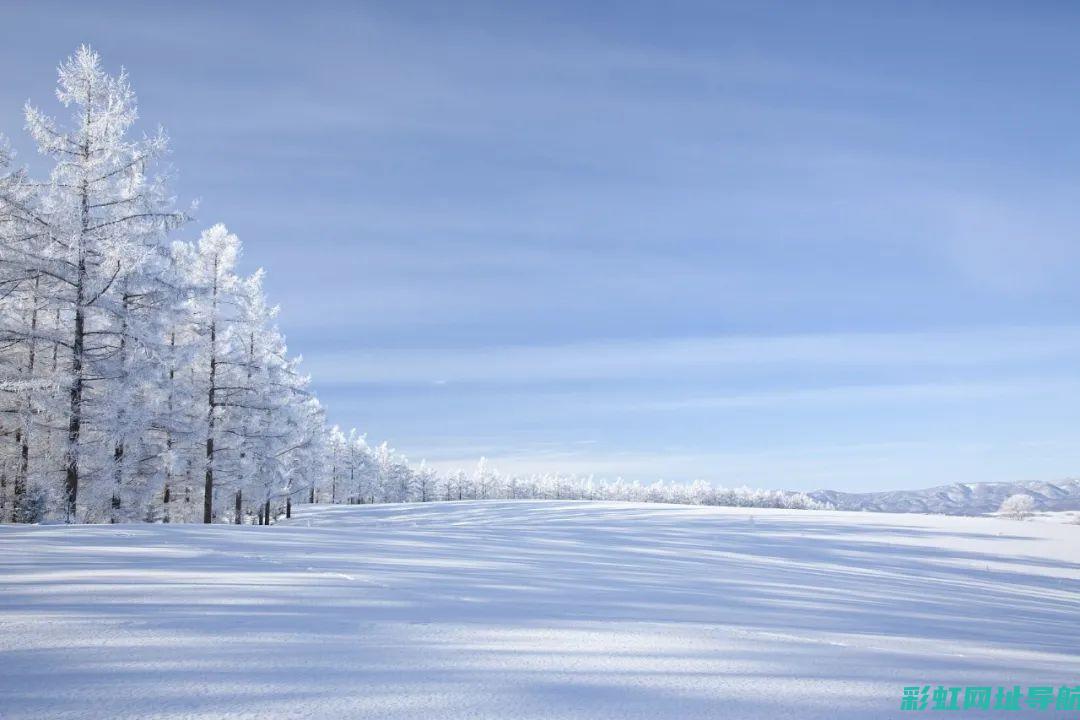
x=958 y=499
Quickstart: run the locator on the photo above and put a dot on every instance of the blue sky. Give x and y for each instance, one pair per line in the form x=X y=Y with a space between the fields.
x=790 y=245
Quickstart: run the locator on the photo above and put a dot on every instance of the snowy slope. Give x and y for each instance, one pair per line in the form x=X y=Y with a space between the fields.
x=511 y=610
x=958 y=499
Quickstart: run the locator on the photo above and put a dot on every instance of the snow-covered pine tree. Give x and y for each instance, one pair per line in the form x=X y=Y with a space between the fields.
x=268 y=402
x=425 y=483
x=307 y=462
x=209 y=267
x=102 y=220
x=483 y=481
x=22 y=322
x=337 y=454
x=358 y=471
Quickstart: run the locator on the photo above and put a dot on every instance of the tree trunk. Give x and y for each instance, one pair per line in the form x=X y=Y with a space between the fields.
x=288 y=507
x=56 y=346
x=168 y=428
x=75 y=396
x=118 y=451
x=23 y=435
x=208 y=481
x=266 y=512
x=208 y=484
x=19 y=490
x=118 y=459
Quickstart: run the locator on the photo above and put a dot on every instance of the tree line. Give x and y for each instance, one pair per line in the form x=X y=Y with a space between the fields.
x=358 y=473
x=143 y=379
x=140 y=378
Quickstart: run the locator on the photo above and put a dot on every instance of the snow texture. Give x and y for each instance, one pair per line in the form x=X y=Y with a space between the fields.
x=532 y=609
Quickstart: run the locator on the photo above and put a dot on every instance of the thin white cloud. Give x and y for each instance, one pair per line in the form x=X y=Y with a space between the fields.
x=872 y=394
x=699 y=357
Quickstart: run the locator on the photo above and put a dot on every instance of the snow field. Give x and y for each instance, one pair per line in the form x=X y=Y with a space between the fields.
x=532 y=609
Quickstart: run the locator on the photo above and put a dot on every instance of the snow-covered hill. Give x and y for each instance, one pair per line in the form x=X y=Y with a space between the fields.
x=532 y=609
x=957 y=499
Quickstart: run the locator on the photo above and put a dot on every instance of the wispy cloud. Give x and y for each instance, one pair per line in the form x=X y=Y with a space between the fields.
x=927 y=394
x=675 y=358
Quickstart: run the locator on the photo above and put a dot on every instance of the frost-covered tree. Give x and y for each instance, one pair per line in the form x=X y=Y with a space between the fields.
x=252 y=405
x=24 y=322
x=337 y=448
x=97 y=235
x=483 y=480
x=456 y=485
x=1017 y=506
x=210 y=270
x=306 y=461
x=425 y=483
x=361 y=468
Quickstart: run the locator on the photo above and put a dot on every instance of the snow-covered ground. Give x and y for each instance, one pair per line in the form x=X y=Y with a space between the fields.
x=1071 y=517
x=509 y=610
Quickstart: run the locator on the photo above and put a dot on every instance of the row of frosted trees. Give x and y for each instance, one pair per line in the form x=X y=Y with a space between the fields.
x=358 y=473
x=143 y=379
x=140 y=378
